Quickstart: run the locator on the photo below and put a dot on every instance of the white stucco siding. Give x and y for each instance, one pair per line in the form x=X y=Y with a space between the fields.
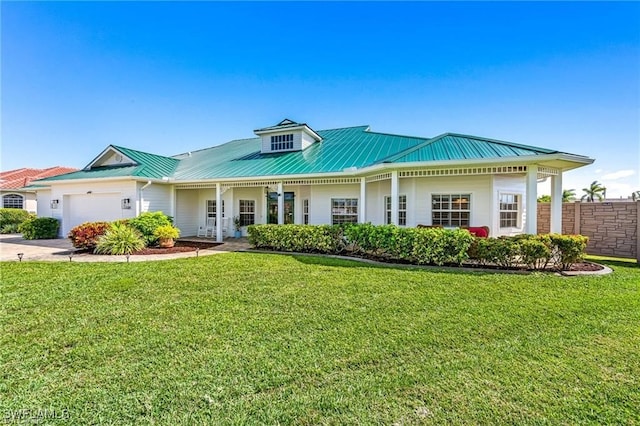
x=320 y=200
x=508 y=184
x=376 y=191
x=91 y=202
x=43 y=203
x=155 y=197
x=479 y=187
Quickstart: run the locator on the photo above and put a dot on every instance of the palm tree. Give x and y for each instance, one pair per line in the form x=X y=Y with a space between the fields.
x=594 y=191
x=568 y=195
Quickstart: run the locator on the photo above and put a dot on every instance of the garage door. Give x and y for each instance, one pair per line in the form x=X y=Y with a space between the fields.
x=92 y=208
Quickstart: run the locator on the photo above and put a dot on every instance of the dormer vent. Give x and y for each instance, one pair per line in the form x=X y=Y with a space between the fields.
x=287 y=136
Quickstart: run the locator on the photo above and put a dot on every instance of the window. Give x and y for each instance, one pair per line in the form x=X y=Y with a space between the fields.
x=402 y=209
x=247 y=212
x=305 y=212
x=450 y=209
x=509 y=210
x=13 y=201
x=281 y=142
x=212 y=210
x=344 y=210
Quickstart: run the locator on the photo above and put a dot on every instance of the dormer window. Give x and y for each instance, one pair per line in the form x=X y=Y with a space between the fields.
x=287 y=136
x=282 y=142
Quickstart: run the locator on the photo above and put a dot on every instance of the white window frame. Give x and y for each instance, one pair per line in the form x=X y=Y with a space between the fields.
x=402 y=209
x=305 y=211
x=518 y=210
x=344 y=210
x=244 y=214
x=11 y=198
x=450 y=211
x=211 y=209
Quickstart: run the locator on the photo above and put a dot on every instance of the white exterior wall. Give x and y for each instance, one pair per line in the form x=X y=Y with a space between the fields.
x=64 y=192
x=320 y=200
x=510 y=184
x=155 y=197
x=44 y=203
x=186 y=218
x=480 y=188
x=29 y=200
x=307 y=140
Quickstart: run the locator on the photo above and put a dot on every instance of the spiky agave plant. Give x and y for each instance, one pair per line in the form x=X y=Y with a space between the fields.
x=120 y=239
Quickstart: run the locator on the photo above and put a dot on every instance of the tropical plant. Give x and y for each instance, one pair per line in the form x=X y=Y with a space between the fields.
x=237 y=223
x=568 y=195
x=120 y=239
x=635 y=196
x=595 y=190
x=86 y=235
x=166 y=232
x=544 y=199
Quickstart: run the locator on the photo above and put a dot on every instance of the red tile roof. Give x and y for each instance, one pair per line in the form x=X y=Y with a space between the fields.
x=19 y=178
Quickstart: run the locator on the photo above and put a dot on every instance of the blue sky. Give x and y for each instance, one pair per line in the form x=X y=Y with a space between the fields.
x=173 y=77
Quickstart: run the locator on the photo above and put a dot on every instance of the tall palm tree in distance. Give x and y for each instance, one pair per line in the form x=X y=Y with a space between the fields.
x=594 y=191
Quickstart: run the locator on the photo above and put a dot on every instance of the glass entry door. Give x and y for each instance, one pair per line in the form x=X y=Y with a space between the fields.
x=272 y=208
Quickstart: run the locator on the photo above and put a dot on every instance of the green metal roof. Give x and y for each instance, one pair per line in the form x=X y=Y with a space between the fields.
x=340 y=149
x=452 y=146
x=147 y=166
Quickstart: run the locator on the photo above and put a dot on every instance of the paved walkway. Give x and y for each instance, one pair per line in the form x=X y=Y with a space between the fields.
x=60 y=249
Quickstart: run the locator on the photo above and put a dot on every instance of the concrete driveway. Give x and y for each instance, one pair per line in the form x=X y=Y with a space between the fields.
x=60 y=249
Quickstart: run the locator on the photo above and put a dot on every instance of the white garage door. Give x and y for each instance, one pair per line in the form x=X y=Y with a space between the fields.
x=92 y=208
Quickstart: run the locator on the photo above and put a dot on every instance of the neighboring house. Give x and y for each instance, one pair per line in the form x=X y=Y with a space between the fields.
x=290 y=173
x=15 y=190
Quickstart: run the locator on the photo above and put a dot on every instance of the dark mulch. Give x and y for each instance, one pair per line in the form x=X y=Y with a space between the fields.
x=585 y=266
x=160 y=250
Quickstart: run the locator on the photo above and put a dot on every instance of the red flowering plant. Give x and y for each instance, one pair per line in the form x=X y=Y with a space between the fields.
x=86 y=235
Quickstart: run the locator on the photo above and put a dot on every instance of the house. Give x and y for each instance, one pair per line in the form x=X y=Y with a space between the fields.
x=15 y=189
x=290 y=173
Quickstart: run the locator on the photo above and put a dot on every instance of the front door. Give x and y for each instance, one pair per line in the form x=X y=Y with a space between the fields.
x=272 y=208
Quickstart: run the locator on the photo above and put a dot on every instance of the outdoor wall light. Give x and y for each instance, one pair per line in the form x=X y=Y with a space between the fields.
x=126 y=203
x=54 y=204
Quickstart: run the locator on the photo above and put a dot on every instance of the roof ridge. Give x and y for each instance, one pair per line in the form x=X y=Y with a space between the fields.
x=348 y=127
x=402 y=136
x=400 y=154
x=214 y=146
x=500 y=142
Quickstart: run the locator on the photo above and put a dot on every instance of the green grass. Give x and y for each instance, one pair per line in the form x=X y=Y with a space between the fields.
x=269 y=339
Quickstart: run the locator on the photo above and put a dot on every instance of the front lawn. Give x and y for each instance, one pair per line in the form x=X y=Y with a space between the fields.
x=268 y=339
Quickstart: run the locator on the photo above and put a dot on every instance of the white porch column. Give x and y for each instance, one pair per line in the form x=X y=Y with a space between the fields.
x=280 y=204
x=362 y=208
x=218 y=213
x=532 y=199
x=394 y=197
x=556 y=203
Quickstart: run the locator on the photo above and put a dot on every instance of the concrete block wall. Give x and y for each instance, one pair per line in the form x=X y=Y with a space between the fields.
x=613 y=228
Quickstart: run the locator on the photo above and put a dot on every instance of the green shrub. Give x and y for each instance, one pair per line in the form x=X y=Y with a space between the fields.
x=39 y=228
x=13 y=217
x=299 y=238
x=568 y=249
x=86 y=235
x=441 y=246
x=119 y=239
x=147 y=223
x=10 y=228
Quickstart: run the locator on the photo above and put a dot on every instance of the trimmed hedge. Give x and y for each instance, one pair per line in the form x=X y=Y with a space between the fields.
x=534 y=252
x=10 y=219
x=433 y=246
x=39 y=228
x=86 y=235
x=388 y=242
